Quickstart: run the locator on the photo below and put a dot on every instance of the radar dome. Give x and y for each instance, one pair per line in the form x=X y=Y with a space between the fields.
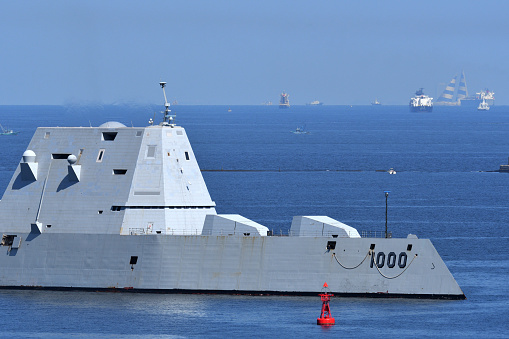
x=29 y=156
x=112 y=124
x=71 y=159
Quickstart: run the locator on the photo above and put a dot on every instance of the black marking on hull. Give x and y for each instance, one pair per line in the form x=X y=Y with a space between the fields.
x=234 y=292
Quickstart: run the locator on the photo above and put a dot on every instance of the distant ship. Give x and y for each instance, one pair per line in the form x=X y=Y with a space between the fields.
x=451 y=97
x=486 y=95
x=504 y=168
x=6 y=131
x=483 y=106
x=300 y=130
x=421 y=102
x=376 y=103
x=284 y=101
x=315 y=103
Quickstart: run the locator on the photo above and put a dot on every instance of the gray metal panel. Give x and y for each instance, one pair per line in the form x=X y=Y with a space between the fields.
x=279 y=264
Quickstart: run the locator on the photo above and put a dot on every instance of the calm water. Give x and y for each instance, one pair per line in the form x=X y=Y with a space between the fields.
x=444 y=190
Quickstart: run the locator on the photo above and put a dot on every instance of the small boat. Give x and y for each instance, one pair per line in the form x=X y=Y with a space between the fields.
x=315 y=103
x=300 y=130
x=376 y=103
x=483 y=106
x=391 y=171
x=504 y=168
x=6 y=131
x=229 y=109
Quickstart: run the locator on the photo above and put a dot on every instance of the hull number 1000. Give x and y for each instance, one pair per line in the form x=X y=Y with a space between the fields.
x=392 y=260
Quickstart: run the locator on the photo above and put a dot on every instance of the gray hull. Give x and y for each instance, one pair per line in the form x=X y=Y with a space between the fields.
x=228 y=264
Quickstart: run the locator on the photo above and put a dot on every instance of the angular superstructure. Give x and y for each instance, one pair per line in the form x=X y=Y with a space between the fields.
x=126 y=208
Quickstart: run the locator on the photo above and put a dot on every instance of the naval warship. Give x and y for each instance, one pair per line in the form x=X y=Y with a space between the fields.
x=116 y=208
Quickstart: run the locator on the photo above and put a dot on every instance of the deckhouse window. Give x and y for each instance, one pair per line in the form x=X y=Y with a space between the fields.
x=100 y=155
x=151 y=151
x=119 y=171
x=187 y=155
x=109 y=136
x=61 y=156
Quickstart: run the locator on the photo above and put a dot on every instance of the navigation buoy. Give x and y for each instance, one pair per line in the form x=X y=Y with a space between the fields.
x=326 y=318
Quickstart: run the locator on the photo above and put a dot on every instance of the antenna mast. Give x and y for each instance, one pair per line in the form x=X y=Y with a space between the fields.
x=168 y=120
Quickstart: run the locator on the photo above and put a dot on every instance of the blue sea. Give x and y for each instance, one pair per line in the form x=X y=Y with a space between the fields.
x=446 y=189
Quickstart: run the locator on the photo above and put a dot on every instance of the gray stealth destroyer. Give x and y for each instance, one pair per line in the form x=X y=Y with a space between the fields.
x=116 y=208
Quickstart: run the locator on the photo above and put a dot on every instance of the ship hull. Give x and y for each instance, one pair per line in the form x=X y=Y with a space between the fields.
x=228 y=264
x=421 y=108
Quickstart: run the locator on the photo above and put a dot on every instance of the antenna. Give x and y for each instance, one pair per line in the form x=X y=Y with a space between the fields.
x=168 y=120
x=386 y=196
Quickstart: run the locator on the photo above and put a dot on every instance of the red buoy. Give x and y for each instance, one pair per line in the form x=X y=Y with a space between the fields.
x=326 y=318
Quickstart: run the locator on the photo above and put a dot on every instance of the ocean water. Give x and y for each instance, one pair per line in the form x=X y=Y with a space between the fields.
x=445 y=189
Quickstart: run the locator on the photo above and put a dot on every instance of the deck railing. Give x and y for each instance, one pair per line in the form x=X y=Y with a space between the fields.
x=280 y=233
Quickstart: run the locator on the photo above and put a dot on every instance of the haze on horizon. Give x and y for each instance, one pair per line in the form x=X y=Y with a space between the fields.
x=247 y=52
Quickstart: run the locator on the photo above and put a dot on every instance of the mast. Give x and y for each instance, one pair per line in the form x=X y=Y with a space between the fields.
x=168 y=120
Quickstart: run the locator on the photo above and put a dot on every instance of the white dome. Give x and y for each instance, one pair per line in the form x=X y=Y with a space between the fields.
x=71 y=159
x=112 y=124
x=29 y=156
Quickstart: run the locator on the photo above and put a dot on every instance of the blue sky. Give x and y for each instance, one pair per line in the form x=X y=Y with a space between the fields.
x=247 y=52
